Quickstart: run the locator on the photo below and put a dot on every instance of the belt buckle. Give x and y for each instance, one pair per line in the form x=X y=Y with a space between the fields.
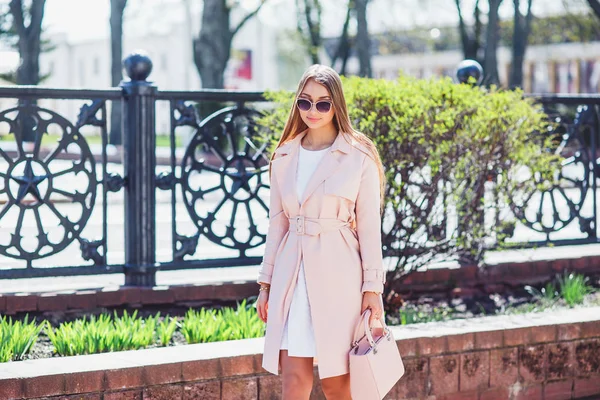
x=300 y=225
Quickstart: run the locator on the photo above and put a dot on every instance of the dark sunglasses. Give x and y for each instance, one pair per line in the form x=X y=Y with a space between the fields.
x=322 y=106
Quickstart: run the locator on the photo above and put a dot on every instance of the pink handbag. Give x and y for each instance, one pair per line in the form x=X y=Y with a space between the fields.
x=375 y=362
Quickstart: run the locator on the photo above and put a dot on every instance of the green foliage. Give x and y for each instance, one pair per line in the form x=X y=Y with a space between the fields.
x=573 y=288
x=103 y=334
x=165 y=330
x=17 y=338
x=205 y=326
x=444 y=146
x=411 y=314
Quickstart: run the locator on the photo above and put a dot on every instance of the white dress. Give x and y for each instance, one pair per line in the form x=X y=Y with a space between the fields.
x=298 y=336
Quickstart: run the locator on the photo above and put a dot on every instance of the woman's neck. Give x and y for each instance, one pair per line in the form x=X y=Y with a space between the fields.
x=316 y=139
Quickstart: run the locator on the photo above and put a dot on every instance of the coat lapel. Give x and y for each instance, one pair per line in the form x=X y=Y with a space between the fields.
x=286 y=168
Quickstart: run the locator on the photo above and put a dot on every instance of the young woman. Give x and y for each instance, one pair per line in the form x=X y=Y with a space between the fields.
x=323 y=259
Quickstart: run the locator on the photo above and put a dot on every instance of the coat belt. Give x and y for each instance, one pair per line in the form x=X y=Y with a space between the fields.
x=302 y=225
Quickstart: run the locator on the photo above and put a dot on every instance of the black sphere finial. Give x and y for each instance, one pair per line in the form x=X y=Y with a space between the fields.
x=138 y=65
x=467 y=69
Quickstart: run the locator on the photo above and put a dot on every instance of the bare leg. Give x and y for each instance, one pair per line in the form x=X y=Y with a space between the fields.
x=297 y=376
x=337 y=387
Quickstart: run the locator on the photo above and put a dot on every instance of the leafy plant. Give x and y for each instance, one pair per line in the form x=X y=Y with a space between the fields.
x=573 y=288
x=165 y=330
x=547 y=296
x=17 y=338
x=411 y=314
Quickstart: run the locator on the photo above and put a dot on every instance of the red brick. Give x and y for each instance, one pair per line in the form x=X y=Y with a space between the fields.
x=109 y=297
x=239 y=389
x=460 y=343
x=543 y=334
x=580 y=263
x=163 y=392
x=505 y=367
x=474 y=371
x=84 y=382
x=586 y=387
x=488 y=340
x=21 y=302
x=239 y=365
x=496 y=393
x=205 y=390
x=52 y=302
x=412 y=384
x=46 y=385
x=201 y=370
x=161 y=373
x=466 y=273
x=558 y=390
x=11 y=388
x=199 y=292
x=157 y=295
x=587 y=357
x=432 y=345
x=124 y=378
x=530 y=393
x=83 y=300
x=471 y=395
x=590 y=329
x=235 y=291
x=88 y=396
x=569 y=331
x=407 y=347
x=561 y=265
x=2 y=303
x=492 y=288
x=543 y=269
x=561 y=360
x=124 y=395
x=517 y=337
x=532 y=363
x=269 y=387
x=443 y=375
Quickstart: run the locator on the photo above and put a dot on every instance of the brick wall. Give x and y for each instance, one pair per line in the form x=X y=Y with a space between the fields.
x=459 y=282
x=552 y=355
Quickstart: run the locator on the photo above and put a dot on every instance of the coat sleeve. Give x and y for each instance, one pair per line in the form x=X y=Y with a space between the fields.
x=278 y=226
x=368 y=227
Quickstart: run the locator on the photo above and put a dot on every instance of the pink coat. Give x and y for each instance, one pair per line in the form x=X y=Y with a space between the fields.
x=341 y=250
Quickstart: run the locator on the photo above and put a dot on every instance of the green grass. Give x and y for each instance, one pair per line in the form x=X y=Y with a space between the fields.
x=17 y=338
x=573 y=288
x=411 y=314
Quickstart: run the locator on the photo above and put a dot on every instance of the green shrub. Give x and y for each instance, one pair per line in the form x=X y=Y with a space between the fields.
x=17 y=338
x=444 y=146
x=573 y=288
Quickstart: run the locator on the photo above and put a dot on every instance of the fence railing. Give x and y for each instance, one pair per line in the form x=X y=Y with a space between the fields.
x=66 y=210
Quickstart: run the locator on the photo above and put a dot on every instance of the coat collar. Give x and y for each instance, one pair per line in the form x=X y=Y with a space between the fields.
x=286 y=168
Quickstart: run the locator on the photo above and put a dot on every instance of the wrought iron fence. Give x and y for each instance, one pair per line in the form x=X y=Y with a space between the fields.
x=213 y=209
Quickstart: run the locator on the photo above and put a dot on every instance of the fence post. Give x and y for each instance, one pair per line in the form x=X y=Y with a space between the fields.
x=139 y=151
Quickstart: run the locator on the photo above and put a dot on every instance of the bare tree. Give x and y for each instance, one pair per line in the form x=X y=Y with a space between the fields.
x=342 y=51
x=117 y=8
x=29 y=42
x=490 y=64
x=212 y=48
x=521 y=30
x=595 y=5
x=363 y=40
x=309 y=26
x=470 y=38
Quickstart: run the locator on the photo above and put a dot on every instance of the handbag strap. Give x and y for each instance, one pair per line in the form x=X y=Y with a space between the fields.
x=364 y=324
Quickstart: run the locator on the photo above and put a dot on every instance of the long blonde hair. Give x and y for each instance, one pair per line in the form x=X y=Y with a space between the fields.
x=294 y=125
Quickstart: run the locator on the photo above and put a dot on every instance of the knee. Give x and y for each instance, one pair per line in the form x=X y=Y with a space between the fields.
x=336 y=389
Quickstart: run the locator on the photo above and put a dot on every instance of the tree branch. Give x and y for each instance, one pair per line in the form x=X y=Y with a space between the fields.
x=595 y=5
x=16 y=9
x=247 y=18
x=37 y=14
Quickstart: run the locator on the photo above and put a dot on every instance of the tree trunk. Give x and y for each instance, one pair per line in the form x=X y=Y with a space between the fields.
x=470 y=40
x=343 y=49
x=312 y=37
x=212 y=48
x=29 y=44
x=490 y=67
x=522 y=27
x=363 y=41
x=595 y=5
x=117 y=7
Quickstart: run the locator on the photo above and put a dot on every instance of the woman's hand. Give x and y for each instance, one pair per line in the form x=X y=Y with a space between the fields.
x=373 y=301
x=262 y=305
